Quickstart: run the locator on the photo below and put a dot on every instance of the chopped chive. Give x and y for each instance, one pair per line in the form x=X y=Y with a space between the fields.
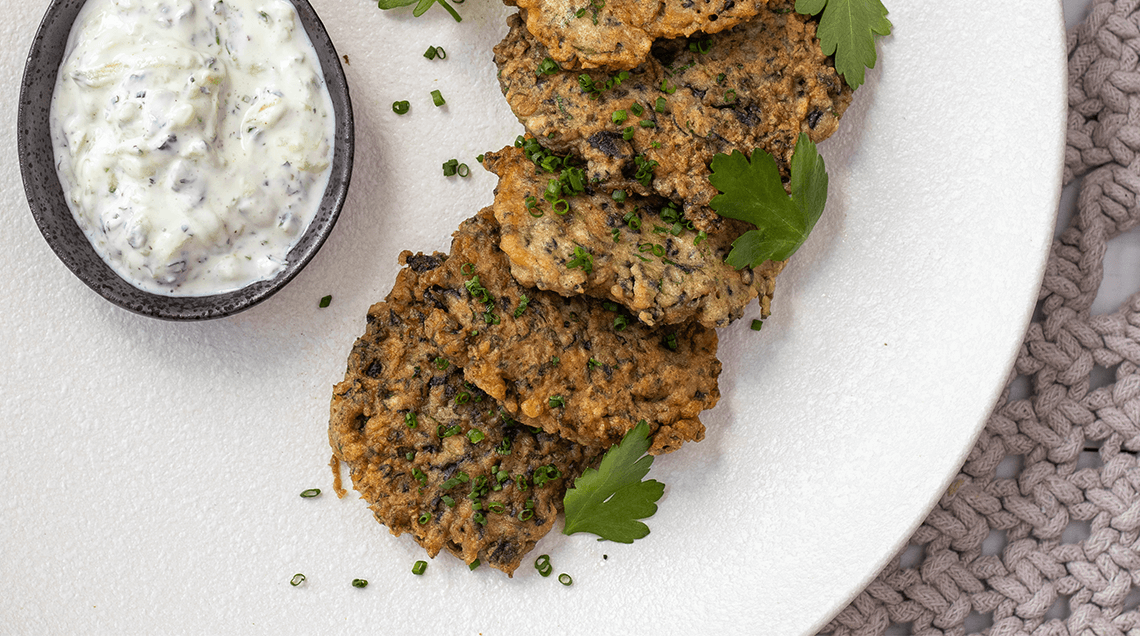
x=627 y=134
x=556 y=401
x=310 y=493
x=561 y=207
x=565 y=579
x=730 y=96
x=441 y=52
x=521 y=483
x=437 y=98
x=542 y=564
x=637 y=109
x=297 y=579
x=620 y=323
x=479 y=158
x=496 y=508
x=401 y=108
x=463 y=170
x=618 y=116
x=667 y=88
x=441 y=364
x=474 y=564
x=450 y=167
x=410 y=455
x=431 y=53
x=609 y=305
x=447 y=499
x=424 y=518
x=671 y=341
x=619 y=196
x=463 y=397
x=648 y=123
x=410 y=419
x=582 y=259
x=548 y=67
x=616 y=234
x=475 y=436
x=467 y=269
x=325 y=301
x=419 y=568
x=593 y=364
x=359 y=583
x=700 y=237
x=660 y=105
x=757 y=324
x=523 y=303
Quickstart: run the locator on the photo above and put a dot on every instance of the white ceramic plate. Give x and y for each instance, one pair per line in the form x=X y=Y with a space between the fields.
x=150 y=470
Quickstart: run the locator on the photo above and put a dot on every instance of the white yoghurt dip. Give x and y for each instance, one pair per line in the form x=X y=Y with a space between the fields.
x=193 y=138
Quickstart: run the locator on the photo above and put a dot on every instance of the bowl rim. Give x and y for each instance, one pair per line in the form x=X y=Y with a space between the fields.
x=57 y=224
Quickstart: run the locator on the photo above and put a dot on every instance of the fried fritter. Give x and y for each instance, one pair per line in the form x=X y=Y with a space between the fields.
x=567 y=365
x=759 y=85
x=617 y=34
x=420 y=442
x=660 y=270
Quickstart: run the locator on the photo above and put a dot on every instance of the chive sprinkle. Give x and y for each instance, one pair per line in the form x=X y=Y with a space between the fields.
x=637 y=109
x=542 y=564
x=419 y=568
x=757 y=324
x=467 y=269
x=475 y=436
x=401 y=108
x=437 y=98
x=310 y=493
x=463 y=170
x=424 y=518
x=410 y=419
x=450 y=167
x=474 y=564
x=565 y=579
x=359 y=583
x=297 y=579
x=618 y=116
x=441 y=364
x=557 y=401
x=431 y=53
x=660 y=105
x=325 y=301
x=479 y=158
x=619 y=196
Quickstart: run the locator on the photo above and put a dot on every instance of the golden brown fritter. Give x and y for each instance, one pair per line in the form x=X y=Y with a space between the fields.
x=660 y=270
x=566 y=365
x=617 y=34
x=759 y=85
x=435 y=456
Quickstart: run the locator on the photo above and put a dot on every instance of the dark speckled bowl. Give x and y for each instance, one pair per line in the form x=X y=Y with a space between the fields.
x=45 y=195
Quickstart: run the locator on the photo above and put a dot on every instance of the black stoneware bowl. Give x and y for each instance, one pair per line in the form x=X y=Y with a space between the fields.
x=45 y=194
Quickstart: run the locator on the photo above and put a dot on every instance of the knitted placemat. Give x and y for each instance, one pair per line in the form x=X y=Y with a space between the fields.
x=1070 y=514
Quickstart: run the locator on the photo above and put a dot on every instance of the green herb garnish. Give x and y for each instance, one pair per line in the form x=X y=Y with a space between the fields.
x=359 y=583
x=421 y=6
x=401 y=108
x=847 y=30
x=752 y=192
x=310 y=493
x=610 y=500
x=419 y=568
x=297 y=579
x=325 y=302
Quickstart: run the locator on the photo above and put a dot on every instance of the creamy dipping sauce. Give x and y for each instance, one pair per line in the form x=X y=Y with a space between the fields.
x=193 y=138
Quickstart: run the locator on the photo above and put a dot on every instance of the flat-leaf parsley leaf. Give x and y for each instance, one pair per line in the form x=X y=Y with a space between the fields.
x=421 y=6
x=847 y=30
x=609 y=501
x=752 y=192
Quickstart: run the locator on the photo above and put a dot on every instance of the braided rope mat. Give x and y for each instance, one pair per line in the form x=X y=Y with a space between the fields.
x=1077 y=442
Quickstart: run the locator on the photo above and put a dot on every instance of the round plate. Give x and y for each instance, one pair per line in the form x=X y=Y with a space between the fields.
x=57 y=223
x=152 y=470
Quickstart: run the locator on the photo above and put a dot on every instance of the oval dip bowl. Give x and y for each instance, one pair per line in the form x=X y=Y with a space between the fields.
x=70 y=244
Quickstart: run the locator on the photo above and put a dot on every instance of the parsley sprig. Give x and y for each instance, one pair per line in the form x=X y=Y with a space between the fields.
x=421 y=6
x=609 y=501
x=752 y=192
x=847 y=30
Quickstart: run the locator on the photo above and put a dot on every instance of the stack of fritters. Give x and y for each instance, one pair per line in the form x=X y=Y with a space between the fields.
x=757 y=85
x=585 y=299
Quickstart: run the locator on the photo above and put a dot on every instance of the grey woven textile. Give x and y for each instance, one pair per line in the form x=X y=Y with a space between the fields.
x=1071 y=514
